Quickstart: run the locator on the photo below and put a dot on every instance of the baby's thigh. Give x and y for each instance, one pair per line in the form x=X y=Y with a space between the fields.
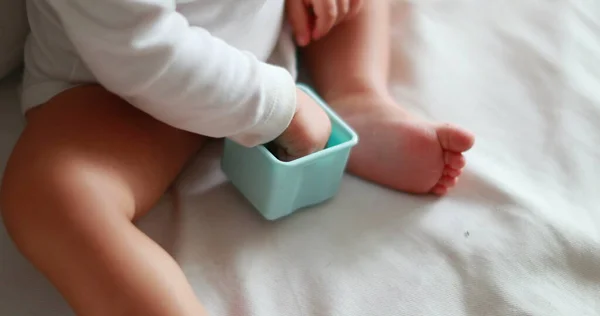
x=87 y=146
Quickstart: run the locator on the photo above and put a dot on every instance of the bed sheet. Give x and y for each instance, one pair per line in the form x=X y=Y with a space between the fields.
x=519 y=236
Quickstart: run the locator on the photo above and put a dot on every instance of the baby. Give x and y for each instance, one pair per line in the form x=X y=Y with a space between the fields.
x=120 y=94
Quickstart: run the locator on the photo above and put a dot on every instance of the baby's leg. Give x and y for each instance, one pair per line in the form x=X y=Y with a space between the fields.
x=86 y=165
x=349 y=68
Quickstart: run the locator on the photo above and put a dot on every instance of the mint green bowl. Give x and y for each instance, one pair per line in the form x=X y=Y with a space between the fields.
x=277 y=188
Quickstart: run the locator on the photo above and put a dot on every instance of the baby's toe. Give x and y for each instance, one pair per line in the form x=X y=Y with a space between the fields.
x=447 y=181
x=454 y=160
x=448 y=171
x=439 y=190
x=454 y=138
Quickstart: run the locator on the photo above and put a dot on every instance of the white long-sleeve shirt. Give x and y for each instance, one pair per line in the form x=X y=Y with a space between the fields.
x=197 y=65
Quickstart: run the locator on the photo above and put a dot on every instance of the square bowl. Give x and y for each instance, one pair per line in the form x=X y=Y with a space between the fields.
x=277 y=188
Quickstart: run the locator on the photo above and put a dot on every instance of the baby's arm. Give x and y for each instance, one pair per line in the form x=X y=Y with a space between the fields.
x=147 y=53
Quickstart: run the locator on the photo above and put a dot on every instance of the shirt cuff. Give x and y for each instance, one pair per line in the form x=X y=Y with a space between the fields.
x=279 y=99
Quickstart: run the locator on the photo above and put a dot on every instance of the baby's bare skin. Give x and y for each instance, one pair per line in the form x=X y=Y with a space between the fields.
x=399 y=150
x=88 y=163
x=307 y=133
x=349 y=67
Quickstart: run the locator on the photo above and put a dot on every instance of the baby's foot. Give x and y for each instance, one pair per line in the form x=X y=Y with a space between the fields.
x=400 y=151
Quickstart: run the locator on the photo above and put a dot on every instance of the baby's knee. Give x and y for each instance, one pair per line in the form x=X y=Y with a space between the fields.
x=39 y=199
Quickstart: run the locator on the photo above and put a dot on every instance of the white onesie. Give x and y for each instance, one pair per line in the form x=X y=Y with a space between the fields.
x=198 y=65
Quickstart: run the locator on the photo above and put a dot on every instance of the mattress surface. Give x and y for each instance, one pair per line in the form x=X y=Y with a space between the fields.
x=518 y=236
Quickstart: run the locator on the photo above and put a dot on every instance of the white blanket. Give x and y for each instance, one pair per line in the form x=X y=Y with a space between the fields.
x=519 y=236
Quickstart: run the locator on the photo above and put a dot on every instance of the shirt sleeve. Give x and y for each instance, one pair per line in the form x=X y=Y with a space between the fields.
x=147 y=53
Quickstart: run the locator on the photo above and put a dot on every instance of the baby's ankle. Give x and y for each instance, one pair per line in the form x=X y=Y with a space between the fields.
x=356 y=87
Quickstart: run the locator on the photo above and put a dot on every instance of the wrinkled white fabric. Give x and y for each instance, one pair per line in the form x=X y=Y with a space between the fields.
x=519 y=236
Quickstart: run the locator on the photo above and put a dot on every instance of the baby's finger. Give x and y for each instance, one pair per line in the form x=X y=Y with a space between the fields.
x=326 y=12
x=355 y=7
x=299 y=18
x=343 y=9
x=283 y=155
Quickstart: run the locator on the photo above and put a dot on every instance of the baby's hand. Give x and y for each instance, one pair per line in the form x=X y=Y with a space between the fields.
x=307 y=133
x=313 y=19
